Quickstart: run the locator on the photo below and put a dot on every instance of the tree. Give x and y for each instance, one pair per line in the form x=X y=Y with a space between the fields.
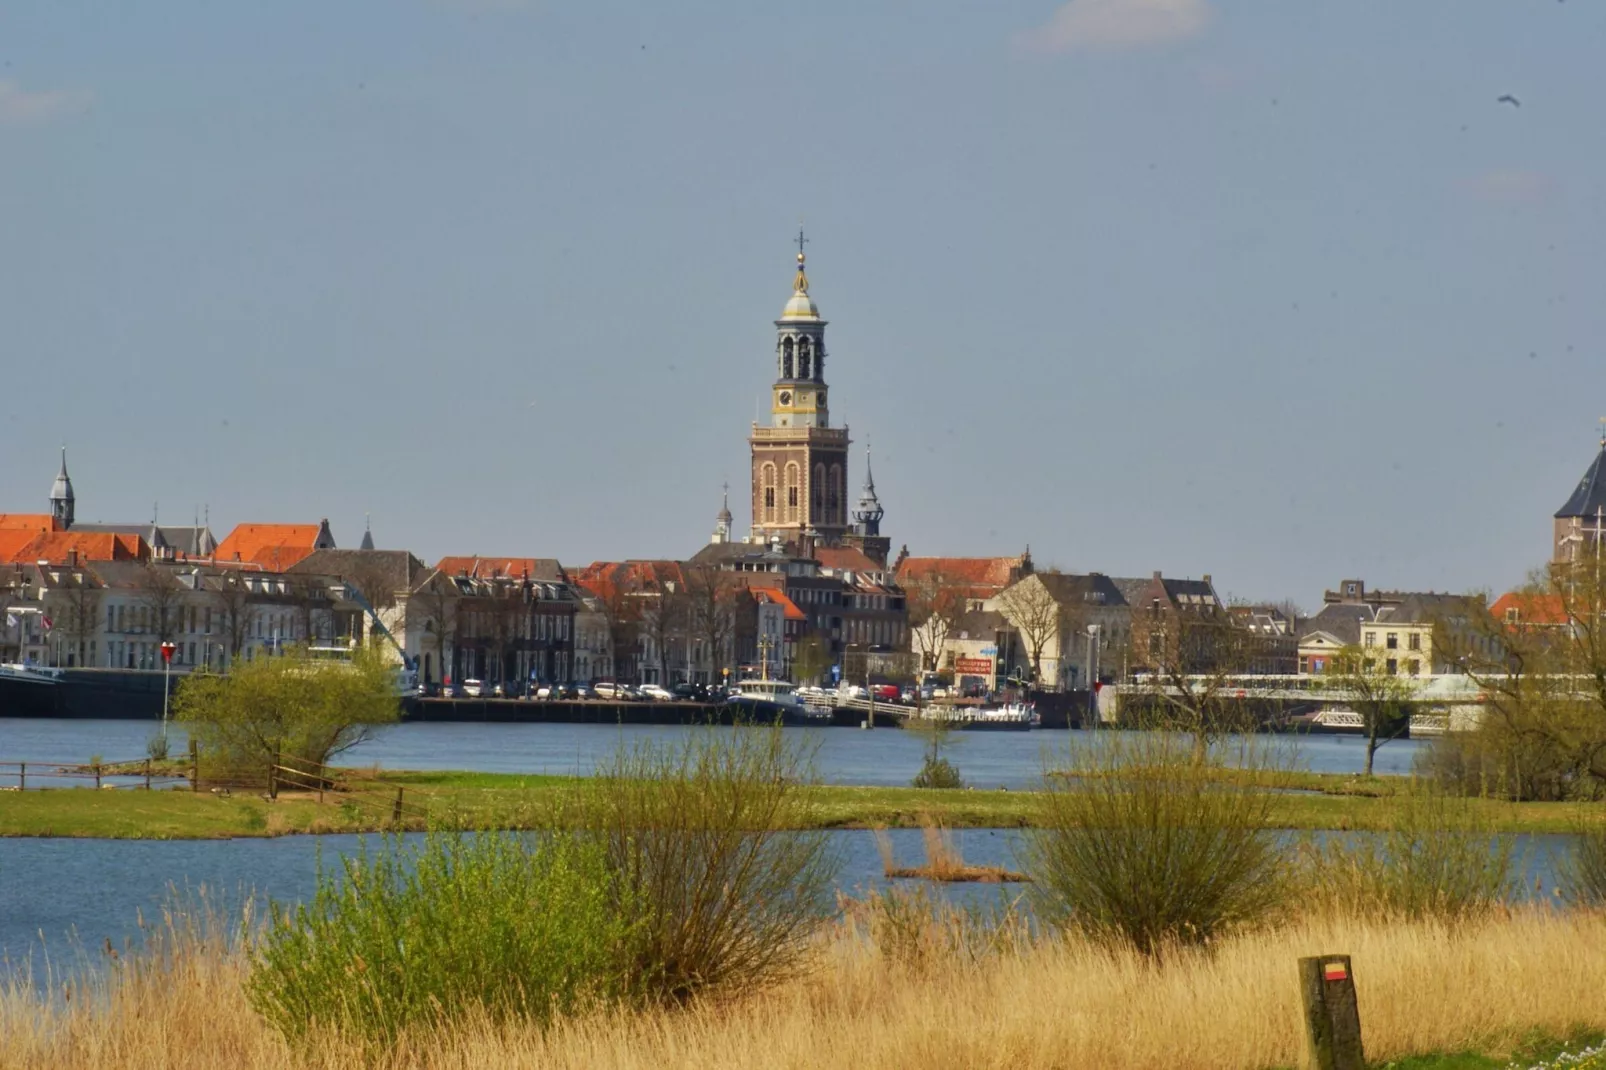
x=306 y=595
x=622 y=613
x=236 y=603
x=1190 y=689
x=711 y=614
x=162 y=594
x=297 y=708
x=1037 y=616
x=77 y=609
x=440 y=601
x=1540 y=673
x=662 y=622
x=1381 y=699
x=813 y=658
x=935 y=605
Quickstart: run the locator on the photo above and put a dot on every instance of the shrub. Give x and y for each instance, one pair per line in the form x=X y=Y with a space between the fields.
x=914 y=930
x=287 y=709
x=1142 y=843
x=1582 y=873
x=1497 y=761
x=938 y=772
x=492 y=923
x=1437 y=859
x=700 y=834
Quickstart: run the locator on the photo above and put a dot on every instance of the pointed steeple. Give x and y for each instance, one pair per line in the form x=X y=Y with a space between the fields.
x=62 y=499
x=367 y=533
x=868 y=513
x=722 y=520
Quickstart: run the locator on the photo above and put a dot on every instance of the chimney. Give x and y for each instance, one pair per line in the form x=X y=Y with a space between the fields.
x=72 y=557
x=1156 y=573
x=1207 y=579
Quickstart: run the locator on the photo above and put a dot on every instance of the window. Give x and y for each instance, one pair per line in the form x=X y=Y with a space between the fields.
x=1512 y=615
x=1414 y=667
x=1391 y=667
x=1154 y=644
x=1370 y=639
x=1393 y=641
x=791 y=497
x=110 y=614
x=1416 y=641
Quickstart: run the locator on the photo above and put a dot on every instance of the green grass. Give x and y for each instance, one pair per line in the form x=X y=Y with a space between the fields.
x=516 y=801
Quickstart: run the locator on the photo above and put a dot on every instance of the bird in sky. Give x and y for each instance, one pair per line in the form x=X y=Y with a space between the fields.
x=1509 y=99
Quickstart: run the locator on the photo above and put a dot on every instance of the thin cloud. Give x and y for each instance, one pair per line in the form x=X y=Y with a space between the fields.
x=1507 y=186
x=1118 y=24
x=20 y=107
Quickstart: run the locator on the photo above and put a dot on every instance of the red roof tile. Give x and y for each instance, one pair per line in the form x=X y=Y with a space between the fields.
x=845 y=559
x=789 y=608
x=1531 y=608
x=274 y=546
x=56 y=546
x=975 y=571
x=490 y=567
x=35 y=522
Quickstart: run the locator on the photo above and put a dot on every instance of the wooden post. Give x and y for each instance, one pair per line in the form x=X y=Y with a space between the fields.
x=273 y=772
x=396 y=811
x=147 y=774
x=1332 y=1016
x=22 y=777
x=195 y=767
x=96 y=767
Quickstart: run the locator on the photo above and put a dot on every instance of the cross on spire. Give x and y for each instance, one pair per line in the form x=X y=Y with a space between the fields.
x=801 y=241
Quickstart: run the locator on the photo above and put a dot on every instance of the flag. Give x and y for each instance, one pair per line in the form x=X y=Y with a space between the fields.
x=11 y=620
x=49 y=624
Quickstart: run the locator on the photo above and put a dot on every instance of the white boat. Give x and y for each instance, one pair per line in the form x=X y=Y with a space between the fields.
x=768 y=699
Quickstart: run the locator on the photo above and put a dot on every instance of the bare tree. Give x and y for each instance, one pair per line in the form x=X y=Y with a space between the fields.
x=935 y=606
x=1190 y=688
x=307 y=595
x=711 y=610
x=813 y=658
x=622 y=613
x=163 y=595
x=77 y=608
x=1036 y=615
x=236 y=604
x=663 y=621
x=440 y=601
x=1381 y=699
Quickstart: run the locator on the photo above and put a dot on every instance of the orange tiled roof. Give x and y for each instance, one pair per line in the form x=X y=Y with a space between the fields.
x=275 y=546
x=789 y=608
x=1531 y=608
x=11 y=543
x=34 y=522
x=975 y=571
x=55 y=546
x=488 y=567
x=845 y=559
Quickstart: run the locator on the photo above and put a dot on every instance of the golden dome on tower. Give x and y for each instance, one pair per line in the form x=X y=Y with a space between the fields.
x=800 y=306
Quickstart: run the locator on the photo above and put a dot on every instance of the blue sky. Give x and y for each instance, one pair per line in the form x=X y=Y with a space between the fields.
x=1278 y=292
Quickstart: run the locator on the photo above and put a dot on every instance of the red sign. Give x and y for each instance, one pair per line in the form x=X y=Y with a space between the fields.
x=167 y=651
x=1334 y=971
x=973 y=666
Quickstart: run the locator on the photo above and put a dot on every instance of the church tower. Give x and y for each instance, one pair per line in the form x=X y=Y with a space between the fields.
x=62 y=500
x=800 y=462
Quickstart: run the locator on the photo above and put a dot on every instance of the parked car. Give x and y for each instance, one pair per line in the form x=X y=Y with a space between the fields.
x=885 y=692
x=616 y=691
x=656 y=693
x=428 y=689
x=852 y=691
x=473 y=688
x=690 y=692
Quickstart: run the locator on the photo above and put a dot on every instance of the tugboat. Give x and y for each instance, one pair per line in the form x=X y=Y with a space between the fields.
x=765 y=701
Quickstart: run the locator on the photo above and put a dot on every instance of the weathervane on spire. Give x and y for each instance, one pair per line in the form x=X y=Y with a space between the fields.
x=801 y=283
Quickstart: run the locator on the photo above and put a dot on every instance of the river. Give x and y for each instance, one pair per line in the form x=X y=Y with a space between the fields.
x=882 y=757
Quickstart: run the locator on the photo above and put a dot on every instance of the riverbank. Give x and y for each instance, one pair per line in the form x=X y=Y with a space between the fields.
x=1305 y=802
x=1505 y=986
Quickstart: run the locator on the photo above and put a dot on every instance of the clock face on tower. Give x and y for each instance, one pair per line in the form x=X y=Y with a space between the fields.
x=786 y=397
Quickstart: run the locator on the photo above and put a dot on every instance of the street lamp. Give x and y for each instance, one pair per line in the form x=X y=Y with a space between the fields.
x=167 y=677
x=1093 y=674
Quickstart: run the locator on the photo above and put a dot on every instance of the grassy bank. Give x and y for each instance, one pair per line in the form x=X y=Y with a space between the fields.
x=487 y=800
x=1489 y=987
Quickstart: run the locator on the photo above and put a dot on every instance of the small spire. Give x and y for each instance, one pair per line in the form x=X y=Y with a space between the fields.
x=367 y=533
x=800 y=284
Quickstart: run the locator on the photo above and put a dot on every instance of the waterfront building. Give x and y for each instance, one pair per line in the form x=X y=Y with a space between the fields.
x=275 y=546
x=1580 y=523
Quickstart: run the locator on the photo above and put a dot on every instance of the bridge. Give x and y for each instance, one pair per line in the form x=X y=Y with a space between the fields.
x=1442 y=700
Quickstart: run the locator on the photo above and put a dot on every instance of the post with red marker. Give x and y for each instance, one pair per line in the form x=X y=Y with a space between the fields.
x=167 y=676
x=1332 y=1016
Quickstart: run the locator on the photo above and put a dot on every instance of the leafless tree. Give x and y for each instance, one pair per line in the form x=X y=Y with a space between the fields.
x=307 y=595
x=1189 y=687
x=935 y=605
x=440 y=601
x=622 y=613
x=77 y=609
x=163 y=594
x=711 y=604
x=236 y=603
x=1036 y=615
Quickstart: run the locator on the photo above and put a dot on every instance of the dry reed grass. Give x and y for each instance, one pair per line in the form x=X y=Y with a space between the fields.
x=1422 y=988
x=944 y=861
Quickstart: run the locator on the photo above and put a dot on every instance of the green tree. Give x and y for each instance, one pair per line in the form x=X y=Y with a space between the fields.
x=268 y=709
x=812 y=660
x=1381 y=699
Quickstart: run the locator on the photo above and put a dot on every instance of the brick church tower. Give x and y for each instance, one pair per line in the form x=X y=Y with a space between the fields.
x=800 y=462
